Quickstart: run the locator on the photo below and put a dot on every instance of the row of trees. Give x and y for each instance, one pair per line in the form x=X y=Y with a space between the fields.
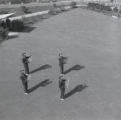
x=112 y=10
x=10 y=1
x=22 y=1
x=97 y=6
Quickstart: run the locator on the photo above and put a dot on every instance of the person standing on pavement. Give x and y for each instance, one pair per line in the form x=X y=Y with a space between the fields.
x=62 y=61
x=1 y=31
x=62 y=86
x=24 y=77
x=26 y=60
x=8 y=23
x=5 y=30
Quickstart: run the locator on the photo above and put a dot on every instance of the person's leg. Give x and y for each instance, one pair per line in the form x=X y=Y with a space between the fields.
x=23 y=82
x=26 y=87
x=6 y=33
x=3 y=35
x=62 y=67
x=62 y=93
x=26 y=68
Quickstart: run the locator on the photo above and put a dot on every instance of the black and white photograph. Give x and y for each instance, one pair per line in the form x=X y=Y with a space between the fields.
x=60 y=59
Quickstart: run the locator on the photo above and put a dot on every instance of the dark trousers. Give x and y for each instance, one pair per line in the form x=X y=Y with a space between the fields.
x=62 y=92
x=25 y=84
x=61 y=68
x=26 y=66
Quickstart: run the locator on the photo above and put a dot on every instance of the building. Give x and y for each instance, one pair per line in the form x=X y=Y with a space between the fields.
x=4 y=1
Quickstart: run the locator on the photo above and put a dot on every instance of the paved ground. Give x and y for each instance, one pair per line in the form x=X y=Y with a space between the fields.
x=92 y=43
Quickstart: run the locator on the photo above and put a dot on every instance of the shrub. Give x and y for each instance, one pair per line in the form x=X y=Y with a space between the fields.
x=54 y=5
x=73 y=4
x=91 y=5
x=115 y=9
x=108 y=8
x=17 y=25
x=62 y=8
x=25 y=9
x=97 y=6
x=15 y=1
x=4 y=12
x=54 y=11
x=120 y=12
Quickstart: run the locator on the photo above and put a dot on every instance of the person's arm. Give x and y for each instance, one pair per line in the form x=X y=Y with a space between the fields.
x=67 y=83
x=29 y=58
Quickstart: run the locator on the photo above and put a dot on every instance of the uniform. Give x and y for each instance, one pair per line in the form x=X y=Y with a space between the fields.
x=8 y=23
x=1 y=32
x=61 y=63
x=5 y=30
x=25 y=61
x=62 y=86
x=24 y=77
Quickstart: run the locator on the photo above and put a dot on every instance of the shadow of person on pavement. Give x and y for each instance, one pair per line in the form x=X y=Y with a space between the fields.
x=41 y=84
x=75 y=67
x=78 y=88
x=43 y=67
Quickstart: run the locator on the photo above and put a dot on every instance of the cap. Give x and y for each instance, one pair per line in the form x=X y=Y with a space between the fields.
x=23 y=54
x=60 y=54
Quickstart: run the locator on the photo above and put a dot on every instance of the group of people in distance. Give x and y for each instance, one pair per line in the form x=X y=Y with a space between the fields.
x=4 y=28
x=25 y=74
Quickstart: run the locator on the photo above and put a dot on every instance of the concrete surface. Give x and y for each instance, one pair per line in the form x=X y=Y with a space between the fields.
x=92 y=42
